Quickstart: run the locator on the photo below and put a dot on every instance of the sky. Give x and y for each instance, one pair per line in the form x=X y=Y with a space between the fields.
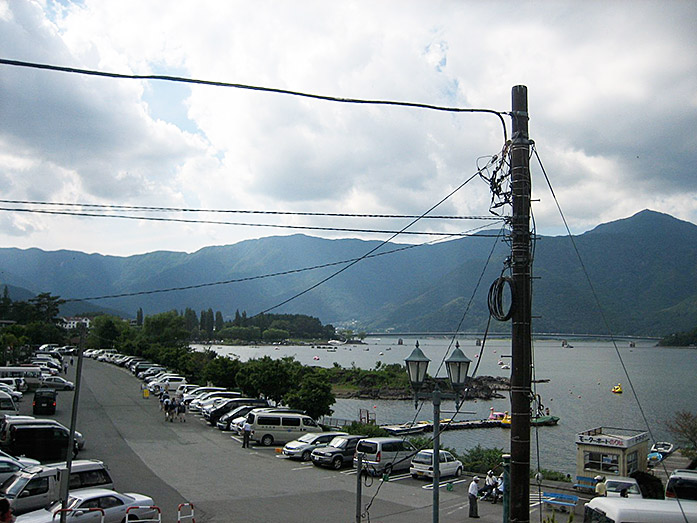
x=612 y=89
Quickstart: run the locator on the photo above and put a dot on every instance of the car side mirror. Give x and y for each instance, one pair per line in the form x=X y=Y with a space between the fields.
x=78 y=513
x=24 y=494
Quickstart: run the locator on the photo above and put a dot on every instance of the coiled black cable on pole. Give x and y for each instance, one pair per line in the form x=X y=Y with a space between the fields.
x=495 y=299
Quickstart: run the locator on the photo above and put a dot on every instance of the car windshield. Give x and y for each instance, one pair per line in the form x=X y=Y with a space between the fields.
x=307 y=438
x=14 y=485
x=339 y=443
x=423 y=458
x=618 y=486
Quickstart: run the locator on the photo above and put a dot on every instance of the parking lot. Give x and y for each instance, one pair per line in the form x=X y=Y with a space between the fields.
x=193 y=462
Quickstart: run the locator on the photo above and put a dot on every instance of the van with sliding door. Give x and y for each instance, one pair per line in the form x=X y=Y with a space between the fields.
x=272 y=427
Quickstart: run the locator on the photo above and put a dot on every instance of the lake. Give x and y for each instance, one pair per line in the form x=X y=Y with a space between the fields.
x=578 y=391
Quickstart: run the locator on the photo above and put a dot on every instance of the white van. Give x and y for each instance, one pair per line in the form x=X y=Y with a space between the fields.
x=269 y=427
x=381 y=455
x=638 y=510
x=36 y=487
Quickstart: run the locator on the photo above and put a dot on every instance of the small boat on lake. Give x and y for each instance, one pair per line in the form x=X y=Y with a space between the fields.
x=662 y=447
x=617 y=389
x=544 y=421
x=403 y=429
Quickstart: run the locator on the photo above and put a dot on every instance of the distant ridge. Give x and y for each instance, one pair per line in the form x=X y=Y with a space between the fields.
x=642 y=267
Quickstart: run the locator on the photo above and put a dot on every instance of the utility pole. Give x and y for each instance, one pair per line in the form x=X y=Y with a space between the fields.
x=521 y=371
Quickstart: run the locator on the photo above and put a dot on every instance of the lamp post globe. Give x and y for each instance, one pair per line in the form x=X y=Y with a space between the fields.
x=457 y=366
x=417 y=365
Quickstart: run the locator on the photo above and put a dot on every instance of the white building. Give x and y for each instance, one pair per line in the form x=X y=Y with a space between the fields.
x=73 y=322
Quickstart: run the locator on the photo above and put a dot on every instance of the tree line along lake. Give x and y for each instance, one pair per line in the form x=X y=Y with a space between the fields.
x=578 y=391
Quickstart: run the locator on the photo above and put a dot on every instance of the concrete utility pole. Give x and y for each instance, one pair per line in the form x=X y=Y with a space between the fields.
x=521 y=370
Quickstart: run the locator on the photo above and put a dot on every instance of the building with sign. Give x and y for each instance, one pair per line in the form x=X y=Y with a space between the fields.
x=611 y=451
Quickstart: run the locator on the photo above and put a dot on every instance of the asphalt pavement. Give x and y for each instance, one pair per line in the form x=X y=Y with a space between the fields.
x=194 y=463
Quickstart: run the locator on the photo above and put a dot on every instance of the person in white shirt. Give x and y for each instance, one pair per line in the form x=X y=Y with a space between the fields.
x=473 y=491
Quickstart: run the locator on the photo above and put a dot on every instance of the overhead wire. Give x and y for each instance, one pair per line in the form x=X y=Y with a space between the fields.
x=237 y=224
x=377 y=247
x=242 y=211
x=182 y=79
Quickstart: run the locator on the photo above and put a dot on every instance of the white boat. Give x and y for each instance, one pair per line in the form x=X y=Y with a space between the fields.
x=662 y=447
x=407 y=428
x=335 y=342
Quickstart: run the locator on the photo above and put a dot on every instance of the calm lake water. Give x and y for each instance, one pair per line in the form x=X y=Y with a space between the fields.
x=664 y=379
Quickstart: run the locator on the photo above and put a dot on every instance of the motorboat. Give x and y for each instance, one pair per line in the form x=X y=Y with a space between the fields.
x=407 y=428
x=617 y=389
x=662 y=447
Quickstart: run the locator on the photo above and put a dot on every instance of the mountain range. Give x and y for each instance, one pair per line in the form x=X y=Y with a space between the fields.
x=642 y=272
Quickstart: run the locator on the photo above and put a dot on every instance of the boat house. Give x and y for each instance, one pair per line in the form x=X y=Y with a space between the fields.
x=611 y=451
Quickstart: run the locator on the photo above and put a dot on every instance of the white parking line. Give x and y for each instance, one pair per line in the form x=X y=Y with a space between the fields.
x=442 y=484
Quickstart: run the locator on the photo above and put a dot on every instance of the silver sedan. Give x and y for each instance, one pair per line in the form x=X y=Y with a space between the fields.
x=90 y=504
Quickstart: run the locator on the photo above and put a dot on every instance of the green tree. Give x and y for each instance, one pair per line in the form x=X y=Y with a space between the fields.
x=46 y=307
x=139 y=317
x=219 y=323
x=314 y=395
x=166 y=328
x=272 y=378
x=222 y=371
x=105 y=331
x=274 y=335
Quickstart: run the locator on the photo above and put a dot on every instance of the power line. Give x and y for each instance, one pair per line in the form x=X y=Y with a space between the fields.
x=242 y=211
x=181 y=79
x=238 y=224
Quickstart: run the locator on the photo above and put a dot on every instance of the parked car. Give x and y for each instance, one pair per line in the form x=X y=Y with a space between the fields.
x=682 y=485
x=302 y=447
x=226 y=421
x=115 y=507
x=14 y=421
x=422 y=464
x=8 y=466
x=270 y=426
x=12 y=391
x=58 y=383
x=44 y=401
x=36 y=487
x=210 y=397
x=338 y=453
x=385 y=455
x=23 y=460
x=212 y=414
x=7 y=404
x=616 y=484
x=199 y=392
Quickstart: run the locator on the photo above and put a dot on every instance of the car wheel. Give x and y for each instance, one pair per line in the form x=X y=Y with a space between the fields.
x=337 y=463
x=415 y=476
x=458 y=472
x=306 y=455
x=267 y=440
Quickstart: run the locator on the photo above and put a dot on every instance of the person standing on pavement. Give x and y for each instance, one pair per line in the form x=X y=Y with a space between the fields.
x=473 y=492
x=6 y=511
x=246 y=433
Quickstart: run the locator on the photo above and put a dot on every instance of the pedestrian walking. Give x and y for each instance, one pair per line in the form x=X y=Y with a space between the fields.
x=181 y=411
x=473 y=492
x=246 y=433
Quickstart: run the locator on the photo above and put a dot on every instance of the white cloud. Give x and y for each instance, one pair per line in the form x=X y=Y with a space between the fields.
x=612 y=99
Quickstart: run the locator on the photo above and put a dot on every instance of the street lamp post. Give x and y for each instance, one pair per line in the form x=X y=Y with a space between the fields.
x=457 y=366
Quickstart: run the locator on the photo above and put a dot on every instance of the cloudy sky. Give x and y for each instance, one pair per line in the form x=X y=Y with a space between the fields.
x=612 y=95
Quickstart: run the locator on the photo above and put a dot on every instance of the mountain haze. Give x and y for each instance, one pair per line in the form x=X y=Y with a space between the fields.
x=642 y=269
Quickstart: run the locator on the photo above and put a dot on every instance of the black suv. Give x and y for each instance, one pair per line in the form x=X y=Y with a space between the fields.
x=338 y=453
